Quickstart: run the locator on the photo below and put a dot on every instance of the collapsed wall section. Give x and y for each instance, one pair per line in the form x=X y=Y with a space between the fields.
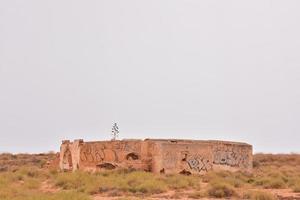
x=106 y=155
x=70 y=155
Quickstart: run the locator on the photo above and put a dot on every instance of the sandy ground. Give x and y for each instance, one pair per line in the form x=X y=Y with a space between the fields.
x=146 y=198
x=282 y=194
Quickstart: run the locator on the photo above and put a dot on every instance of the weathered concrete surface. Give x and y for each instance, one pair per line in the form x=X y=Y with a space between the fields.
x=156 y=155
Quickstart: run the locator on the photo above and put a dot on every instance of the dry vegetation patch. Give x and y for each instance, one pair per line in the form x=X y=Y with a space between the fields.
x=259 y=195
x=221 y=190
x=137 y=182
x=24 y=177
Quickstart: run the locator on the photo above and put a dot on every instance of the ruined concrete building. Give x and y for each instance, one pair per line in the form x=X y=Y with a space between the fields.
x=156 y=155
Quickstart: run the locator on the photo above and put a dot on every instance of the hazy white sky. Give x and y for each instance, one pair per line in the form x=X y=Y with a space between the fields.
x=192 y=69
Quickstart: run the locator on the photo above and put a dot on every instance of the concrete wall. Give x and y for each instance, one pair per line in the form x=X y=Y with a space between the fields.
x=70 y=155
x=115 y=154
x=159 y=156
x=190 y=157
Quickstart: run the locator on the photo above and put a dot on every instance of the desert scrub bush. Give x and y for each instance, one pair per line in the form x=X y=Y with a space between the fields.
x=294 y=183
x=137 y=182
x=134 y=182
x=270 y=182
x=12 y=187
x=8 y=192
x=259 y=195
x=32 y=184
x=276 y=183
x=28 y=177
x=69 y=195
x=235 y=179
x=4 y=179
x=124 y=181
x=150 y=187
x=296 y=187
x=79 y=181
x=64 y=195
x=145 y=182
x=221 y=190
x=178 y=181
x=30 y=172
x=212 y=176
x=277 y=159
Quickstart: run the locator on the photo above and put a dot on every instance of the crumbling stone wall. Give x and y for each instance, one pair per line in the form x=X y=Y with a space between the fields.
x=158 y=156
x=190 y=157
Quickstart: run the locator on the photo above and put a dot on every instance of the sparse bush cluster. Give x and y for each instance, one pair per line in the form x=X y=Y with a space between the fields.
x=131 y=182
x=221 y=190
x=25 y=184
x=10 y=162
x=22 y=178
x=258 y=195
x=296 y=186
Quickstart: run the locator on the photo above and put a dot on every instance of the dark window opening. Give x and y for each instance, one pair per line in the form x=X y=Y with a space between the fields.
x=132 y=156
x=185 y=157
x=185 y=172
x=106 y=166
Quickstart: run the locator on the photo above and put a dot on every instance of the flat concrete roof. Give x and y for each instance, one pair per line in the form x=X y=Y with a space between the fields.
x=173 y=141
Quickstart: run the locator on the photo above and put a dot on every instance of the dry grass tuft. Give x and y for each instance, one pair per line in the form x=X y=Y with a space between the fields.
x=271 y=182
x=296 y=187
x=178 y=181
x=235 y=179
x=24 y=184
x=21 y=177
x=259 y=195
x=132 y=182
x=221 y=190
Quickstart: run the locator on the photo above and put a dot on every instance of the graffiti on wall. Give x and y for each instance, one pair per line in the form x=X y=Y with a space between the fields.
x=199 y=163
x=231 y=156
x=190 y=162
x=91 y=154
x=107 y=152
